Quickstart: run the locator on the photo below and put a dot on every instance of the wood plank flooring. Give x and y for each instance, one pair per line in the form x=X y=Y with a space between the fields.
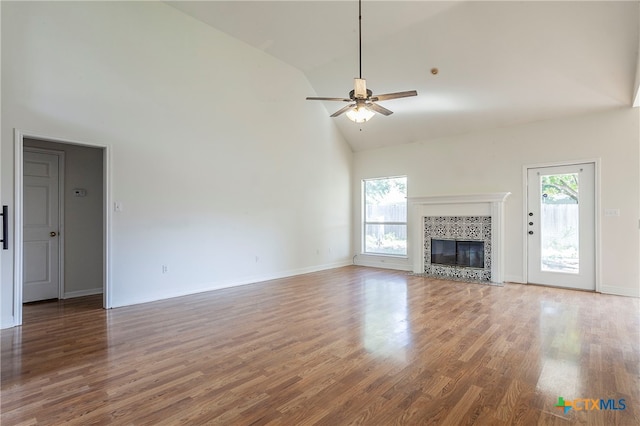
x=350 y=345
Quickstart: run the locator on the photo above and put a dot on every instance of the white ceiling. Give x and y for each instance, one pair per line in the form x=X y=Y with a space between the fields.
x=501 y=63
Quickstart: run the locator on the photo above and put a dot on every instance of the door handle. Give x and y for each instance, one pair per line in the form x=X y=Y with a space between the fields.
x=52 y=234
x=5 y=228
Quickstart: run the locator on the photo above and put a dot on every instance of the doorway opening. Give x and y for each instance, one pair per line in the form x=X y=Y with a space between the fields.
x=62 y=221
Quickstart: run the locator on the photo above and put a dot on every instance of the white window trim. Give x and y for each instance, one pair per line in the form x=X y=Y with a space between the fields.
x=364 y=223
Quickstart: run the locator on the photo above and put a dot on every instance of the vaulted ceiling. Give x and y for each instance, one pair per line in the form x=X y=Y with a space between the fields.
x=500 y=63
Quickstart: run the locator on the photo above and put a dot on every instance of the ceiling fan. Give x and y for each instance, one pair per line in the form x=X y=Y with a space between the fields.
x=363 y=104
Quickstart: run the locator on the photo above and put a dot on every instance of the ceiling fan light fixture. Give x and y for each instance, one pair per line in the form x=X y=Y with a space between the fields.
x=364 y=106
x=360 y=114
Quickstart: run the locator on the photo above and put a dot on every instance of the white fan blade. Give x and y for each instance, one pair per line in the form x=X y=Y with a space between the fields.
x=379 y=109
x=328 y=99
x=396 y=95
x=342 y=110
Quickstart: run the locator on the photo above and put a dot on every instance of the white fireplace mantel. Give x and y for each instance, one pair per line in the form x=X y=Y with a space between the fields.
x=487 y=204
x=492 y=197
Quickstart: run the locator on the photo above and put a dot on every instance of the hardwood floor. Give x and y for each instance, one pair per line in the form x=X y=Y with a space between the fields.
x=351 y=345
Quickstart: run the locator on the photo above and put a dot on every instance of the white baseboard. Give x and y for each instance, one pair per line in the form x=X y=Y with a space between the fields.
x=80 y=293
x=620 y=291
x=616 y=291
x=243 y=281
x=283 y=274
x=514 y=279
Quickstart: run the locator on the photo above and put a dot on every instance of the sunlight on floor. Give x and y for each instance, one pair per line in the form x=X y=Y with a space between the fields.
x=386 y=324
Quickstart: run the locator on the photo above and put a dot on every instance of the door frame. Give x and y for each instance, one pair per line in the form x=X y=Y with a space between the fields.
x=18 y=260
x=61 y=233
x=525 y=208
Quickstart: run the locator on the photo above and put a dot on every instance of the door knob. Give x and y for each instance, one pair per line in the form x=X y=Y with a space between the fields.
x=52 y=234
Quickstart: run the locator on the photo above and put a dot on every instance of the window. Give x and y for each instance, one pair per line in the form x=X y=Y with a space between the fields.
x=385 y=216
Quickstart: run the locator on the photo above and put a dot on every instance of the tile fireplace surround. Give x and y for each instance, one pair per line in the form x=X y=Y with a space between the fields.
x=455 y=214
x=459 y=228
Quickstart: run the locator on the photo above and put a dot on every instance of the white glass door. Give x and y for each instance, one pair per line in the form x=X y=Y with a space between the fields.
x=561 y=226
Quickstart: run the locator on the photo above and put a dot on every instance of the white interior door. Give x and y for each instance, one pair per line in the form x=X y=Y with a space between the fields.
x=40 y=226
x=561 y=226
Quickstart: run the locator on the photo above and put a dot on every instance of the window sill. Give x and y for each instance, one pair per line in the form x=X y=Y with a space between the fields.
x=396 y=256
x=386 y=261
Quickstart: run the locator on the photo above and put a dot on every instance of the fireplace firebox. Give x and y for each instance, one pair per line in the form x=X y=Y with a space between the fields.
x=460 y=253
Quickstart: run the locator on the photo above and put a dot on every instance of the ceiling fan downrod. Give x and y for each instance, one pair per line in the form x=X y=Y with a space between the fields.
x=360 y=36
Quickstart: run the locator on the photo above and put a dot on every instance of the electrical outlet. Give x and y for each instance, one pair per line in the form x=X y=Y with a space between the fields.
x=165 y=269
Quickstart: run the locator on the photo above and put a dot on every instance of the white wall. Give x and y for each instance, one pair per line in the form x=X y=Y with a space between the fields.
x=636 y=84
x=225 y=174
x=83 y=217
x=492 y=161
